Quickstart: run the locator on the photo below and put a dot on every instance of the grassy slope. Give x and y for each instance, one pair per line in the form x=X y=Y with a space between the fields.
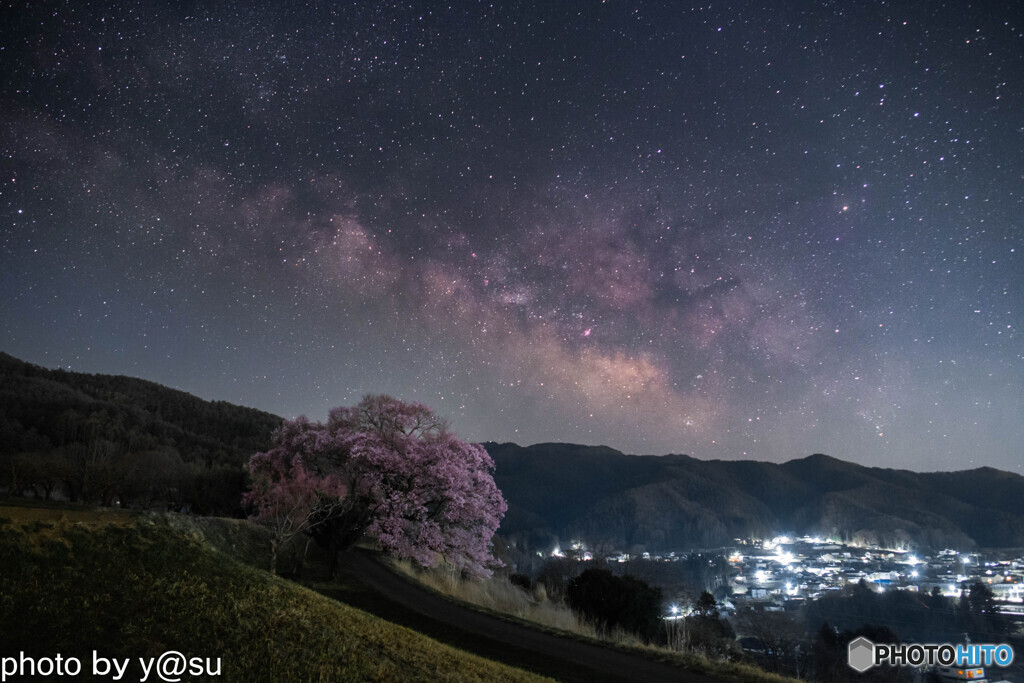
x=130 y=586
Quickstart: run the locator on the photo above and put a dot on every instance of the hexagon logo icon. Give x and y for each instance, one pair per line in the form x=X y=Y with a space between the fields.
x=861 y=654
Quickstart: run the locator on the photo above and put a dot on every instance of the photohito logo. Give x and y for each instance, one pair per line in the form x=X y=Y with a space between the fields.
x=863 y=654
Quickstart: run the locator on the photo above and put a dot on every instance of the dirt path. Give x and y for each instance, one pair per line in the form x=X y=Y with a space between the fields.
x=550 y=655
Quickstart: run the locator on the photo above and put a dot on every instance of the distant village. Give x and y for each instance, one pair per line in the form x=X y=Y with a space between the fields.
x=782 y=572
x=786 y=569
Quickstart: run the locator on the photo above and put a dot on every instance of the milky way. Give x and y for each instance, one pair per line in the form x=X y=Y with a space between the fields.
x=722 y=231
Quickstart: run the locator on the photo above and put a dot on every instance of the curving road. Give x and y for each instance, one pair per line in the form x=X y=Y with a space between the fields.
x=526 y=648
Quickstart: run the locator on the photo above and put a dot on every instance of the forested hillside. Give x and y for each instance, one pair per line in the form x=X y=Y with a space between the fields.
x=118 y=440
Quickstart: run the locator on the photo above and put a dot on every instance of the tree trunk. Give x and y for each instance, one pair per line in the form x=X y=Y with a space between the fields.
x=275 y=542
x=332 y=569
x=299 y=559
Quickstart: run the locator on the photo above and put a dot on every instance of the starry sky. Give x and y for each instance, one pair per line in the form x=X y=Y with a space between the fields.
x=726 y=230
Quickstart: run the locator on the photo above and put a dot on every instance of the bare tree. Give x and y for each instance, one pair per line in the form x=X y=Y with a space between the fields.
x=778 y=634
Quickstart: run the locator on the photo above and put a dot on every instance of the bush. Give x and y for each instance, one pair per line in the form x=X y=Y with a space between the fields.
x=617 y=602
x=521 y=580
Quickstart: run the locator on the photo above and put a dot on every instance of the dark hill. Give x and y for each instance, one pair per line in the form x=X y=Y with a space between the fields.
x=677 y=502
x=111 y=439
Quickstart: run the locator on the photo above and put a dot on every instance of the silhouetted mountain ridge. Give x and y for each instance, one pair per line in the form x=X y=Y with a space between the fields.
x=667 y=502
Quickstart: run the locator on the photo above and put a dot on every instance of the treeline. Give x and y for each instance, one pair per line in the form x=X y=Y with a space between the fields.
x=115 y=440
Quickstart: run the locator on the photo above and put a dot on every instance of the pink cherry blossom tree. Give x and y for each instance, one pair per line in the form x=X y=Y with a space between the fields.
x=288 y=497
x=408 y=482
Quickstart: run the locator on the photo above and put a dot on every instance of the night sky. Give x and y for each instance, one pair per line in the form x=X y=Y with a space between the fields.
x=728 y=231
